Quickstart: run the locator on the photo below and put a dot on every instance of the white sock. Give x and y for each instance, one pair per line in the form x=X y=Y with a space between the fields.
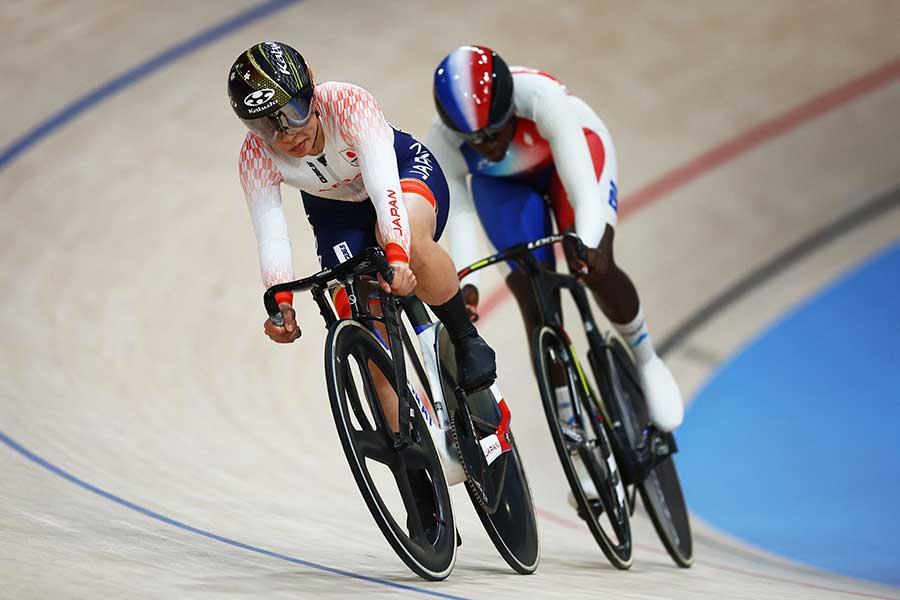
x=637 y=337
x=564 y=402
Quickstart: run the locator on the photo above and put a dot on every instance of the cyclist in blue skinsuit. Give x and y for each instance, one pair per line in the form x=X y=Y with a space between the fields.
x=535 y=153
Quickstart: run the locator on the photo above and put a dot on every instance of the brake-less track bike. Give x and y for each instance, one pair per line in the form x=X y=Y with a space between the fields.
x=608 y=439
x=443 y=436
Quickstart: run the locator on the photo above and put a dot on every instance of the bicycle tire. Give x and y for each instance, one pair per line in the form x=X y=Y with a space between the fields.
x=432 y=560
x=512 y=526
x=660 y=488
x=551 y=345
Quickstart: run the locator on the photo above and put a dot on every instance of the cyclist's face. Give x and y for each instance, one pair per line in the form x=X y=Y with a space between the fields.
x=301 y=142
x=494 y=149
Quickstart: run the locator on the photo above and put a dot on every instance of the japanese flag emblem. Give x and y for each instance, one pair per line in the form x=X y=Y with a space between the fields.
x=350 y=156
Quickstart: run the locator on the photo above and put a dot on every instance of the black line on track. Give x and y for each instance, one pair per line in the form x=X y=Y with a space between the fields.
x=860 y=216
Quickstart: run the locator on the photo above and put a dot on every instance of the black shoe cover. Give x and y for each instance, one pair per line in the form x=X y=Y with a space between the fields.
x=476 y=363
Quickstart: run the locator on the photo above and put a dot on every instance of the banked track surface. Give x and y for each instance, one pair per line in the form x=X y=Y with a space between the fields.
x=133 y=361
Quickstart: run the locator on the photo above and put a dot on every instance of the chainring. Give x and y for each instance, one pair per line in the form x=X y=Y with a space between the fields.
x=484 y=481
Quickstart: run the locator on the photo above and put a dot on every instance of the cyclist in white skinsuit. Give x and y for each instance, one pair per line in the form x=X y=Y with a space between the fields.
x=363 y=183
x=531 y=148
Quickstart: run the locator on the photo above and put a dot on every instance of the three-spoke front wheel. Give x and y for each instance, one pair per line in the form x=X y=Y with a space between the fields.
x=405 y=489
x=583 y=446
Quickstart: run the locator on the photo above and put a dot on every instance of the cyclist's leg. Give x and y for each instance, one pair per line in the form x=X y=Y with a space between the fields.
x=436 y=281
x=610 y=285
x=513 y=212
x=342 y=230
x=427 y=200
x=386 y=394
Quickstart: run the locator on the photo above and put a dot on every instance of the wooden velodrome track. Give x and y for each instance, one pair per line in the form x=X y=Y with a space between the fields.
x=156 y=444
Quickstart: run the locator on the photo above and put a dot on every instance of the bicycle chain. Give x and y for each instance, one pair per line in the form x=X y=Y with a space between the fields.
x=472 y=482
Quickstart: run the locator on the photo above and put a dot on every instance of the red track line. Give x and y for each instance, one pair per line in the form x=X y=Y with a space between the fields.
x=736 y=146
x=702 y=164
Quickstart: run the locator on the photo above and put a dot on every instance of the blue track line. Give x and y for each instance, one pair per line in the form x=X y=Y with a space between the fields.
x=185 y=527
x=135 y=74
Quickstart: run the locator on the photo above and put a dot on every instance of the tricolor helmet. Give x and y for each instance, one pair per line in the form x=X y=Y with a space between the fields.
x=473 y=90
x=271 y=89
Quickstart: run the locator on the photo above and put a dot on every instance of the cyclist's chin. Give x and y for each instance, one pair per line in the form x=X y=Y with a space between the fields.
x=300 y=149
x=296 y=149
x=495 y=154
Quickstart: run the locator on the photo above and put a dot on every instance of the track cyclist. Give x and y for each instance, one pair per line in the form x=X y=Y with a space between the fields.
x=532 y=148
x=362 y=183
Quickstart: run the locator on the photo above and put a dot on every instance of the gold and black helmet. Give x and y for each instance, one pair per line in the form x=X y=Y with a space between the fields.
x=271 y=88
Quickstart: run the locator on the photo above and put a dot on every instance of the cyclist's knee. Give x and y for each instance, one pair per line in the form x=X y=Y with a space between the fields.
x=421 y=248
x=601 y=263
x=600 y=267
x=520 y=286
x=423 y=255
x=422 y=218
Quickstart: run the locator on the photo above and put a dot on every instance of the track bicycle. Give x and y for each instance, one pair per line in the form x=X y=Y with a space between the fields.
x=608 y=439
x=442 y=436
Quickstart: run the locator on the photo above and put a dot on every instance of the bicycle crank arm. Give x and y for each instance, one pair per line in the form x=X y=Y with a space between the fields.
x=657 y=447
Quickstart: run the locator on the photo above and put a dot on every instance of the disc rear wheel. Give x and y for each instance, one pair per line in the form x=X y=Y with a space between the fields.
x=501 y=497
x=659 y=486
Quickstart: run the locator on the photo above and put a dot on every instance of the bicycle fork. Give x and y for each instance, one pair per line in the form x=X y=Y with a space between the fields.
x=611 y=465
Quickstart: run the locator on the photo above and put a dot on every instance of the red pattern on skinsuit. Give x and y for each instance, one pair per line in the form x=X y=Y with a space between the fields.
x=260 y=180
x=257 y=170
x=356 y=130
x=355 y=114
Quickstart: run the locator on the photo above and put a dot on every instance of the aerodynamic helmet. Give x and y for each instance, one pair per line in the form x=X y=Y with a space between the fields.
x=271 y=89
x=473 y=91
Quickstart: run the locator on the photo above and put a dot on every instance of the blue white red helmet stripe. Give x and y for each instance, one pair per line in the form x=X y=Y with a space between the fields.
x=463 y=83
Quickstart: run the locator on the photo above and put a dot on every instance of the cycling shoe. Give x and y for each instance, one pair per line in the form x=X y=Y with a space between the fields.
x=476 y=362
x=663 y=397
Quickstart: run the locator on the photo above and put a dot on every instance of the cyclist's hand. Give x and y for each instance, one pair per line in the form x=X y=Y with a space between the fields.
x=583 y=267
x=404 y=281
x=470 y=298
x=288 y=332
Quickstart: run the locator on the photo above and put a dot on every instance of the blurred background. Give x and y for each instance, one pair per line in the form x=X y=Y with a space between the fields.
x=145 y=417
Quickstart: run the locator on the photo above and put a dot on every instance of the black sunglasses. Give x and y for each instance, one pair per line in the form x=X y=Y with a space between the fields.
x=489 y=133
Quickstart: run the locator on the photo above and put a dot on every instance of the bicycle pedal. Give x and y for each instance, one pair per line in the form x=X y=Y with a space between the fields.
x=571 y=433
x=596 y=506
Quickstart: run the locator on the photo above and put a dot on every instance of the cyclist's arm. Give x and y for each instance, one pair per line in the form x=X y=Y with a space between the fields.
x=463 y=223
x=261 y=182
x=364 y=128
x=561 y=126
